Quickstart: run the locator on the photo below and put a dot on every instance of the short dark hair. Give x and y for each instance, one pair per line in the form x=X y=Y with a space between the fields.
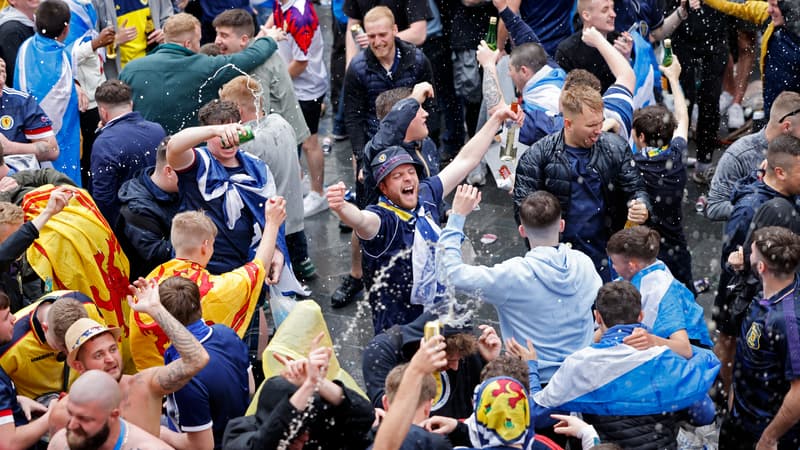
x=52 y=18
x=779 y=248
x=635 y=242
x=657 y=123
x=782 y=150
x=387 y=99
x=217 y=112
x=582 y=77
x=507 y=365
x=5 y=302
x=540 y=209
x=530 y=55
x=240 y=20
x=181 y=297
x=113 y=92
x=618 y=303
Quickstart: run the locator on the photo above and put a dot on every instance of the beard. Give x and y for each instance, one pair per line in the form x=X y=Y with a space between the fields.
x=78 y=440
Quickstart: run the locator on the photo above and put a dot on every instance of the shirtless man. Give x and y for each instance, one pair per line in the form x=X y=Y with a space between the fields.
x=92 y=346
x=95 y=418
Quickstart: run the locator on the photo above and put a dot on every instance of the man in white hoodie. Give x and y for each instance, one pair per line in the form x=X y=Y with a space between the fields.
x=545 y=296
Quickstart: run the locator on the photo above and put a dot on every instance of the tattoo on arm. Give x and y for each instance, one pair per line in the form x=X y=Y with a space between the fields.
x=491 y=89
x=193 y=358
x=41 y=148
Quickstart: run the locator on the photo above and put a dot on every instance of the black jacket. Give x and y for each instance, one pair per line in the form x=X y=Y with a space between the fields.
x=545 y=166
x=650 y=432
x=573 y=53
x=398 y=344
x=345 y=426
x=366 y=79
x=144 y=222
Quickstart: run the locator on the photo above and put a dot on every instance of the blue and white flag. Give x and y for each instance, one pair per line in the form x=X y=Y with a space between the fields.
x=82 y=22
x=543 y=90
x=645 y=67
x=611 y=378
x=248 y=189
x=44 y=70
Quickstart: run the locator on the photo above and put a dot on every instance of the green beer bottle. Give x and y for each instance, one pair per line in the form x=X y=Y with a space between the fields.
x=491 y=35
x=245 y=135
x=667 y=61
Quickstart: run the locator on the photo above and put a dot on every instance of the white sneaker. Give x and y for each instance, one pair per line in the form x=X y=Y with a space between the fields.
x=477 y=177
x=725 y=101
x=314 y=203
x=306 y=182
x=735 y=116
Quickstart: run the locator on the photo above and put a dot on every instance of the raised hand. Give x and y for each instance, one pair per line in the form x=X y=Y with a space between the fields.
x=489 y=343
x=335 y=196
x=144 y=296
x=275 y=210
x=516 y=349
x=466 y=199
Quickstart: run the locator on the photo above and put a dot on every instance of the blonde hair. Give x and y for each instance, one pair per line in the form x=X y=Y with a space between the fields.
x=395 y=376
x=190 y=229
x=576 y=98
x=180 y=27
x=243 y=91
x=11 y=214
x=379 y=12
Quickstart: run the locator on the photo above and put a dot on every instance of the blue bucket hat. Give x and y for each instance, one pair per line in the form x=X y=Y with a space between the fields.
x=389 y=159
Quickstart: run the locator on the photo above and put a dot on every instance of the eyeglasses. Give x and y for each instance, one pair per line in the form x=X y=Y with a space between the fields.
x=789 y=115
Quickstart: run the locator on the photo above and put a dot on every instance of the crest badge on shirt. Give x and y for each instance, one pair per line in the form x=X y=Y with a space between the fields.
x=754 y=336
x=6 y=122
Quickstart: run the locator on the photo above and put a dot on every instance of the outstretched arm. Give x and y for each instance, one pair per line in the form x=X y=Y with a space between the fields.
x=472 y=152
x=193 y=357
x=275 y=213
x=365 y=223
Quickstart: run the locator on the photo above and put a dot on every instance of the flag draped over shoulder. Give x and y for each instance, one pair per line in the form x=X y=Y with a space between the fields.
x=611 y=378
x=77 y=250
x=645 y=67
x=228 y=299
x=44 y=70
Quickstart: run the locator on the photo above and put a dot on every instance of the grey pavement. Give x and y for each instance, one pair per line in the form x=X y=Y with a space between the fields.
x=351 y=327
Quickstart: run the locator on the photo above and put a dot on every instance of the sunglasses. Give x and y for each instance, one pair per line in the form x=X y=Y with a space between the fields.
x=789 y=115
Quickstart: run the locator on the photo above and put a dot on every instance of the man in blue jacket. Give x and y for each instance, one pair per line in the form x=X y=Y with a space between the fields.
x=125 y=144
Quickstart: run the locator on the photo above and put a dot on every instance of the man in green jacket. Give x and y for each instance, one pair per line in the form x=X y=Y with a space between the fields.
x=171 y=83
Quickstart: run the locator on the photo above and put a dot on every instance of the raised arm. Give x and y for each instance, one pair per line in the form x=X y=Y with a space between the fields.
x=181 y=144
x=619 y=65
x=193 y=357
x=673 y=73
x=472 y=152
x=751 y=11
x=364 y=223
x=492 y=94
x=429 y=358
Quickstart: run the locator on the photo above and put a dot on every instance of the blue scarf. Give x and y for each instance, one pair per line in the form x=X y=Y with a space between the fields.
x=426 y=289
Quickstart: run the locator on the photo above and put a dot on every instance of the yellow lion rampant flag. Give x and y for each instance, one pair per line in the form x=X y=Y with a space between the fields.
x=77 y=250
x=228 y=299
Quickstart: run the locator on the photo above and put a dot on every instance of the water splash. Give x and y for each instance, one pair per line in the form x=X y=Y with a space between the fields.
x=257 y=93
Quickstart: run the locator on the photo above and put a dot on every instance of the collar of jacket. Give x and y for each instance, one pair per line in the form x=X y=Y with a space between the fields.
x=406 y=56
x=173 y=48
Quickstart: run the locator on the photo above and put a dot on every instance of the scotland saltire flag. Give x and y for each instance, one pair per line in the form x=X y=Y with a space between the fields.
x=645 y=66
x=44 y=71
x=611 y=378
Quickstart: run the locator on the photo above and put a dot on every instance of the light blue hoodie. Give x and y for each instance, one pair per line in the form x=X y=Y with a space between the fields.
x=545 y=296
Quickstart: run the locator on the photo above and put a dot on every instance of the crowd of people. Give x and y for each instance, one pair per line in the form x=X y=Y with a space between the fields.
x=152 y=209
